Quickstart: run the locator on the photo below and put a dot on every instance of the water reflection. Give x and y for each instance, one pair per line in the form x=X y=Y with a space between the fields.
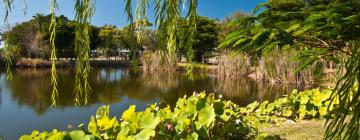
x=31 y=87
x=26 y=97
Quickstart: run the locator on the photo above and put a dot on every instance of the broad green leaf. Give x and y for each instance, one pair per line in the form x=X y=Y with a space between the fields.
x=92 y=127
x=80 y=135
x=149 y=120
x=57 y=136
x=312 y=112
x=123 y=133
x=130 y=115
x=105 y=123
x=193 y=136
x=251 y=107
x=322 y=111
x=304 y=99
x=25 y=137
x=227 y=114
x=287 y=112
x=302 y=111
x=219 y=108
x=206 y=117
x=145 y=134
x=182 y=124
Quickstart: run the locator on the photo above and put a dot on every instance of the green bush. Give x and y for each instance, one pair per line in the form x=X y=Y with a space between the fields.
x=308 y=104
x=201 y=116
x=196 y=117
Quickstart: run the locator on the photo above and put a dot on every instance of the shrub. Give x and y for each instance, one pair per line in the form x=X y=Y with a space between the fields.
x=196 y=117
x=308 y=104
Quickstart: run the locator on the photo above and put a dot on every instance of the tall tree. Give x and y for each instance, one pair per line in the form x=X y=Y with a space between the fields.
x=319 y=29
x=206 y=37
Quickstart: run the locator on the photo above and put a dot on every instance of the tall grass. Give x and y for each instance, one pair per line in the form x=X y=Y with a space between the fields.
x=233 y=64
x=280 y=67
x=157 y=60
x=277 y=67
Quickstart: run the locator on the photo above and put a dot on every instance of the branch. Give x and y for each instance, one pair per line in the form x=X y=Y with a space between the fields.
x=330 y=46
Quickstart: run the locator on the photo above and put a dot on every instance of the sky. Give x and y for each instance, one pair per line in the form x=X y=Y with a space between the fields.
x=112 y=11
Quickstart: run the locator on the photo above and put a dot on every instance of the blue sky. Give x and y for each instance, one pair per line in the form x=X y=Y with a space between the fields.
x=112 y=11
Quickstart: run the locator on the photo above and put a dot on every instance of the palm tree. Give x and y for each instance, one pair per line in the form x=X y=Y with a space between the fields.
x=40 y=19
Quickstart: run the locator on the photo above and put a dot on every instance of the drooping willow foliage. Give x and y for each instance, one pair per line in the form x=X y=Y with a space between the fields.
x=54 y=83
x=167 y=14
x=84 y=11
x=7 y=46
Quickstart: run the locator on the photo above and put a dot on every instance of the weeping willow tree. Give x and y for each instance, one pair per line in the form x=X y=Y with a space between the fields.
x=167 y=14
x=319 y=30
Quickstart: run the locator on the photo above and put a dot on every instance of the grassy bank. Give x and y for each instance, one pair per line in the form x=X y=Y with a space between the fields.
x=301 y=130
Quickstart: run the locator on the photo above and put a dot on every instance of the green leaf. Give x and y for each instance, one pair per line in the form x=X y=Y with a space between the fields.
x=252 y=106
x=219 y=108
x=287 y=112
x=25 y=137
x=105 y=123
x=145 y=134
x=130 y=114
x=319 y=97
x=193 y=136
x=205 y=117
x=80 y=135
x=102 y=112
x=322 y=111
x=293 y=28
x=304 y=99
x=312 y=112
x=149 y=120
x=302 y=111
x=123 y=133
x=92 y=127
x=227 y=114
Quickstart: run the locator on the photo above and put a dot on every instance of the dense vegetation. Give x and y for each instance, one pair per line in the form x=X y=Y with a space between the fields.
x=318 y=30
x=317 y=33
x=195 y=117
x=31 y=38
x=202 y=116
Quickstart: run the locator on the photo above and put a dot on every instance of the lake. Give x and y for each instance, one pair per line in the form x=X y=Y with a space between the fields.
x=25 y=103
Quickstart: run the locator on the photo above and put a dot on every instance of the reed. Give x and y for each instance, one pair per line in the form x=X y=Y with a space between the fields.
x=157 y=60
x=232 y=64
x=280 y=67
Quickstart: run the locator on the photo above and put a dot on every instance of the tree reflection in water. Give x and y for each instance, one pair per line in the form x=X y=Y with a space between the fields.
x=31 y=87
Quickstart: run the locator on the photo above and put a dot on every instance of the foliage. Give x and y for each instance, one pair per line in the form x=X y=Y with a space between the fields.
x=319 y=29
x=280 y=66
x=33 y=37
x=167 y=14
x=82 y=41
x=196 y=117
x=202 y=116
x=205 y=39
x=226 y=26
x=308 y=104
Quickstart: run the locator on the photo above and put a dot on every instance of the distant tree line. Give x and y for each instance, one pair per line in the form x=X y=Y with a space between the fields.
x=31 y=38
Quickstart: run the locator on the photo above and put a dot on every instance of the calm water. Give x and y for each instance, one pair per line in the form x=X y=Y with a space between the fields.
x=25 y=100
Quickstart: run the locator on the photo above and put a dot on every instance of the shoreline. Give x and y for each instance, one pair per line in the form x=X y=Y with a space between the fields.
x=213 y=69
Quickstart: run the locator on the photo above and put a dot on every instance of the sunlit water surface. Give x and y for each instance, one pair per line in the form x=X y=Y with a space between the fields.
x=25 y=103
